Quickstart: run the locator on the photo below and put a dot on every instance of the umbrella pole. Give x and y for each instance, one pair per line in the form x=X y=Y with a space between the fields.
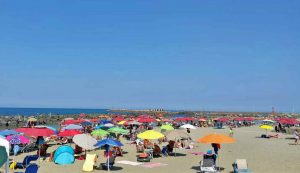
x=7 y=166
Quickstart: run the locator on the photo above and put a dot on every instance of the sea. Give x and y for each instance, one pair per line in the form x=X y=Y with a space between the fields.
x=49 y=111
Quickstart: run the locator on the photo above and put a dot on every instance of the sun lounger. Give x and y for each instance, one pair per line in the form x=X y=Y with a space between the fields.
x=29 y=148
x=88 y=165
x=109 y=163
x=240 y=166
x=32 y=168
x=208 y=165
x=144 y=157
x=26 y=161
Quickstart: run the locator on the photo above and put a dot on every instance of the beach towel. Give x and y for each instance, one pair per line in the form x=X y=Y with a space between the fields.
x=153 y=165
x=126 y=162
x=88 y=165
x=197 y=153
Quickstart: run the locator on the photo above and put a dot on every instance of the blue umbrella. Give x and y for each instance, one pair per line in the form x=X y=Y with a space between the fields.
x=86 y=123
x=8 y=132
x=105 y=122
x=101 y=126
x=108 y=141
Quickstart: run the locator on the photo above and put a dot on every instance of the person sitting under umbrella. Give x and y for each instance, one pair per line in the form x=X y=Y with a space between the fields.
x=210 y=155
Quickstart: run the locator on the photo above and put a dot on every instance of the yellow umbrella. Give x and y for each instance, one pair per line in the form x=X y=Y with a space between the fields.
x=150 y=134
x=121 y=122
x=266 y=127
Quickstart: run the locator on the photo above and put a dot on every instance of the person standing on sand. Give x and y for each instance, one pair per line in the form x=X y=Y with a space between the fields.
x=230 y=131
x=296 y=136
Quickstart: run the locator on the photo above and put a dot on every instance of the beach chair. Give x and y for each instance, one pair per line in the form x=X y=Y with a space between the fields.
x=32 y=168
x=29 y=148
x=88 y=165
x=207 y=165
x=240 y=166
x=26 y=161
x=109 y=163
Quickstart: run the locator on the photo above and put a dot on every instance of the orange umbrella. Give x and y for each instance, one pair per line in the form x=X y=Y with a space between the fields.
x=216 y=138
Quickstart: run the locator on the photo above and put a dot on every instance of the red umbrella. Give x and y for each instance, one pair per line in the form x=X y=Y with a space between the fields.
x=249 y=119
x=69 y=133
x=94 y=120
x=82 y=115
x=202 y=119
x=146 y=120
x=239 y=119
x=166 y=120
x=185 y=119
x=35 y=131
x=223 y=119
x=117 y=119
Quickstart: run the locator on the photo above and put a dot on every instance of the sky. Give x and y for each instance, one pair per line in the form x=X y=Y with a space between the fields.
x=191 y=55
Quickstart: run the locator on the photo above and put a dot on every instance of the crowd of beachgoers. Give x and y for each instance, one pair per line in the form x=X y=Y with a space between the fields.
x=154 y=136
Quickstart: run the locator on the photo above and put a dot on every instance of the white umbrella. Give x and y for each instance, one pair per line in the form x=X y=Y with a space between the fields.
x=73 y=127
x=188 y=126
x=108 y=125
x=85 y=141
x=268 y=121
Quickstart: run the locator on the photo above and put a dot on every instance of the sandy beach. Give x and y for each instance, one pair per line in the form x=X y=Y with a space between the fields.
x=263 y=155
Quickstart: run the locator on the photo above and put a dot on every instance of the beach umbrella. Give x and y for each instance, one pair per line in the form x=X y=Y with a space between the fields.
x=146 y=120
x=101 y=126
x=167 y=127
x=99 y=132
x=177 y=134
x=150 y=134
x=202 y=119
x=187 y=126
x=108 y=142
x=86 y=123
x=49 y=127
x=82 y=115
x=8 y=132
x=85 y=141
x=118 y=130
x=117 y=119
x=121 y=122
x=105 y=121
x=268 y=121
x=17 y=139
x=4 y=154
x=35 y=131
x=266 y=127
x=94 y=120
x=31 y=119
x=73 y=127
x=216 y=138
x=69 y=133
x=132 y=123
x=108 y=125
x=223 y=120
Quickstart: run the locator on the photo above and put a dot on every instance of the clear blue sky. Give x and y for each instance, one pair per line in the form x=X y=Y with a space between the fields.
x=211 y=55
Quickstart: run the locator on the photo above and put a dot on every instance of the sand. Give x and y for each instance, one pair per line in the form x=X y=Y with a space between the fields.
x=263 y=155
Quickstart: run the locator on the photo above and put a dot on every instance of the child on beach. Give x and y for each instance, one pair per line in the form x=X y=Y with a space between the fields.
x=230 y=131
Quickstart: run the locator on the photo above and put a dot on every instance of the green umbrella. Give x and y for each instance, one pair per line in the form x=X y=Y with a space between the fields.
x=99 y=132
x=118 y=130
x=3 y=156
x=167 y=127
